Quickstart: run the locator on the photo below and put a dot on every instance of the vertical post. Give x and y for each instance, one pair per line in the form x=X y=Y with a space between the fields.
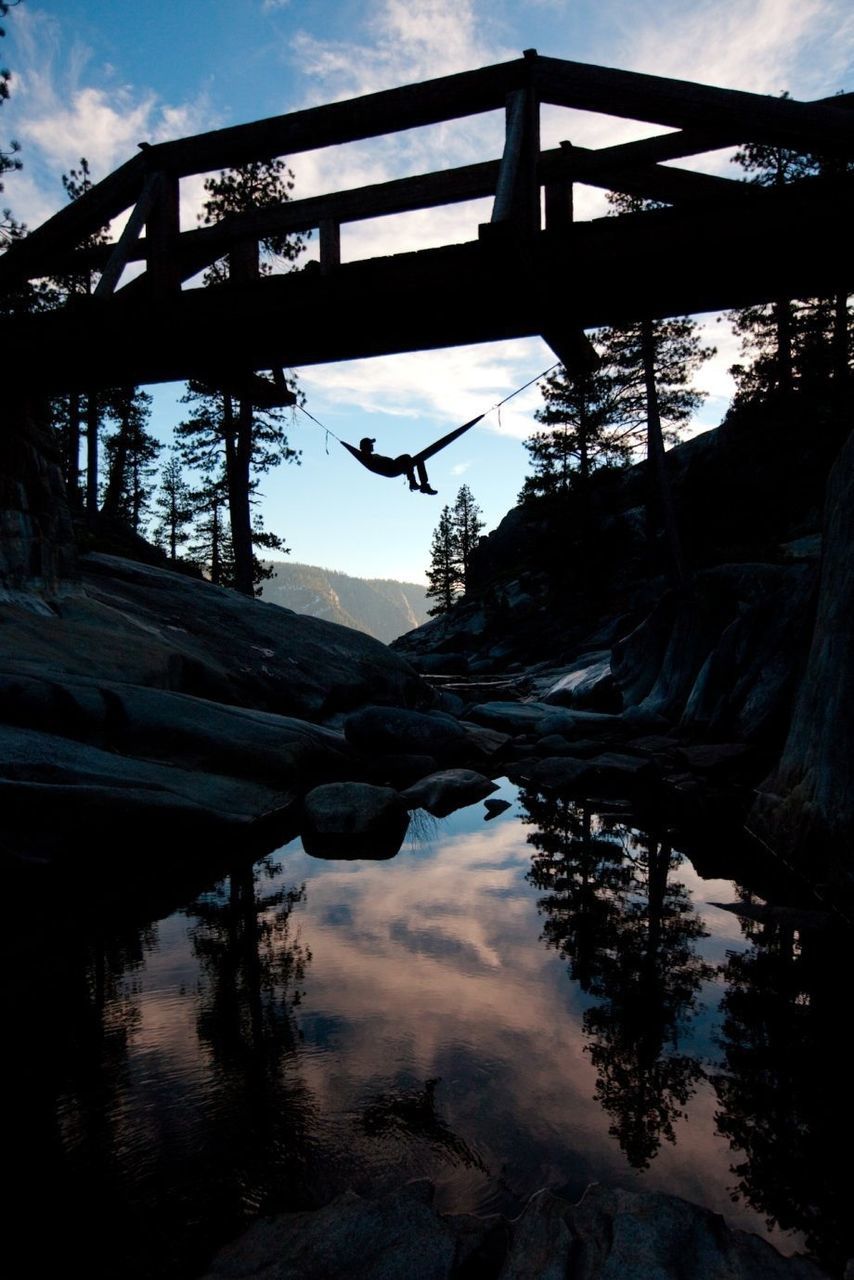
x=330 y=245
x=244 y=261
x=517 y=192
x=528 y=209
x=162 y=227
x=559 y=202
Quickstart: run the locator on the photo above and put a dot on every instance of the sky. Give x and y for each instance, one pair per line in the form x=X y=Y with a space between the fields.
x=94 y=78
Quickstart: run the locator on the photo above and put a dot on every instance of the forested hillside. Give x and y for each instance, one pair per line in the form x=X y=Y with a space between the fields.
x=380 y=607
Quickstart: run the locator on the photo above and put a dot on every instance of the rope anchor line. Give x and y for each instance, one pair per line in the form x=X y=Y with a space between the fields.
x=452 y=435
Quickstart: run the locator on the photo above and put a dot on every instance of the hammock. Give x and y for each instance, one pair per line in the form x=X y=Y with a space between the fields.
x=391 y=467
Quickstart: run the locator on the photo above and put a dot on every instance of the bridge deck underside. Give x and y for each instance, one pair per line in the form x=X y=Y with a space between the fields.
x=502 y=286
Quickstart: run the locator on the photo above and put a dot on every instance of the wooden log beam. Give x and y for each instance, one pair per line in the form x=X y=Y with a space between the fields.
x=120 y=255
x=389 y=111
x=198 y=248
x=77 y=220
x=162 y=232
x=650 y=182
x=684 y=104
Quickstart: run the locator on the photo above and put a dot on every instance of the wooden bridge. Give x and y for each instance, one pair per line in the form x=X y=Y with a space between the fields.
x=720 y=243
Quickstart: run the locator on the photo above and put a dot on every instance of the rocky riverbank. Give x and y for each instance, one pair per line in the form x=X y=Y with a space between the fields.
x=154 y=713
x=608 y=1235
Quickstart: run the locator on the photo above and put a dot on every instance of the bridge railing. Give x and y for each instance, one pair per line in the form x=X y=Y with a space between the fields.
x=703 y=118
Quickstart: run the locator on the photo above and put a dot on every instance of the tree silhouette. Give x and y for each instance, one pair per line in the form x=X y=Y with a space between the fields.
x=226 y=440
x=131 y=454
x=174 y=505
x=454 y=539
x=790 y=344
x=467 y=527
x=86 y=411
x=629 y=934
x=248 y=441
x=592 y=421
x=784 y=1093
x=443 y=575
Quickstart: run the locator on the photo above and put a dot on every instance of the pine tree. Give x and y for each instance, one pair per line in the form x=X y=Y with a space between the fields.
x=174 y=505
x=247 y=440
x=467 y=526
x=131 y=455
x=444 y=572
x=232 y=439
x=87 y=410
x=210 y=544
x=790 y=344
x=454 y=539
x=592 y=419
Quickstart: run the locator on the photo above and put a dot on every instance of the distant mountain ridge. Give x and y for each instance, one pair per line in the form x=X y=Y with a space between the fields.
x=380 y=607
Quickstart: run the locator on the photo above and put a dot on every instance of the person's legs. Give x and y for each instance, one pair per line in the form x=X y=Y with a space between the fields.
x=423 y=482
x=407 y=467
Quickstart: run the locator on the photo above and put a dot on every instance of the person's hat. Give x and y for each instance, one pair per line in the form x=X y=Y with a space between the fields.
x=365 y=441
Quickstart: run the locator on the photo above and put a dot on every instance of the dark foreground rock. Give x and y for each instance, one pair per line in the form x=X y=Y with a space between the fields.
x=809 y=800
x=381 y=729
x=143 y=709
x=608 y=1235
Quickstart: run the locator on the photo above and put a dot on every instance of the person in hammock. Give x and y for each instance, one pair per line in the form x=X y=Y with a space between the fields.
x=404 y=465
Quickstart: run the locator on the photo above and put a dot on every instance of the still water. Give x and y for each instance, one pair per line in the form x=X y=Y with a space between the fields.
x=546 y=997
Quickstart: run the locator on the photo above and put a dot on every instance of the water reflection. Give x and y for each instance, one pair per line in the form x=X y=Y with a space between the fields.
x=785 y=1090
x=629 y=932
x=304 y=1026
x=252 y=969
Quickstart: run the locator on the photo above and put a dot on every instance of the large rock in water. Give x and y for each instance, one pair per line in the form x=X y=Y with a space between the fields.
x=353 y=820
x=809 y=801
x=450 y=789
x=167 y=689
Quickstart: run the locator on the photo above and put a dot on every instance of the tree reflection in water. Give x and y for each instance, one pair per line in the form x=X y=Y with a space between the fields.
x=785 y=1091
x=74 y=1014
x=252 y=967
x=629 y=934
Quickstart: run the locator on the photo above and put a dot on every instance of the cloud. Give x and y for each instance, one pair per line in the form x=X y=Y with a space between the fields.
x=59 y=114
x=758 y=45
x=404 y=43
x=448 y=386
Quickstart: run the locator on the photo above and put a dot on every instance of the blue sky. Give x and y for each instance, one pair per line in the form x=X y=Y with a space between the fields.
x=95 y=77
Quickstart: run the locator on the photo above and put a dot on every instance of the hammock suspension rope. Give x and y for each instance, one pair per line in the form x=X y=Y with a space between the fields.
x=430 y=450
